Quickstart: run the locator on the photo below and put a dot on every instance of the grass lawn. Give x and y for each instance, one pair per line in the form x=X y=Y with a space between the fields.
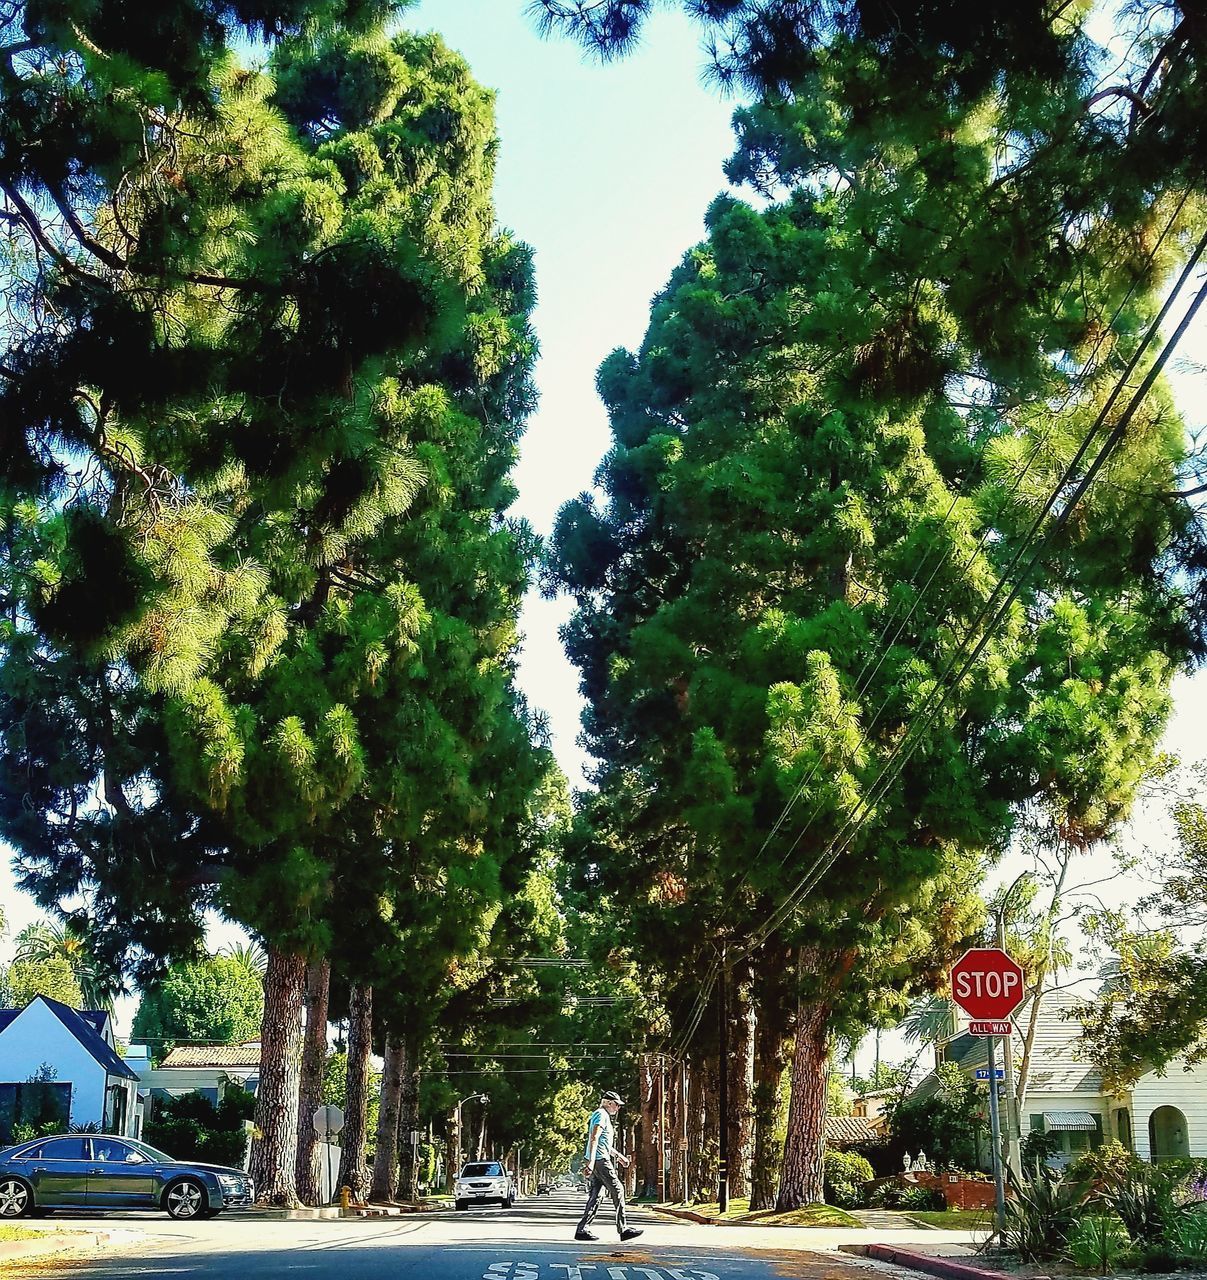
x=8 y=1232
x=952 y=1219
x=813 y=1215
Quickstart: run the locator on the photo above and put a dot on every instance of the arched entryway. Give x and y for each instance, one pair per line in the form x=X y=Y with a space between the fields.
x=1167 y=1136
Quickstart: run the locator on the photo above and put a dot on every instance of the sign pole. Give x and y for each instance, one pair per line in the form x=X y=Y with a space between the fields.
x=999 y=1190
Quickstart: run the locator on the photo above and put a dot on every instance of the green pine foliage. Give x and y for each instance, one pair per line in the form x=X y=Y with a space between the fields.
x=844 y=419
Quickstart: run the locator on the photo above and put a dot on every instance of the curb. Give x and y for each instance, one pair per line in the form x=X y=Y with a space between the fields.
x=945 y=1268
x=54 y=1242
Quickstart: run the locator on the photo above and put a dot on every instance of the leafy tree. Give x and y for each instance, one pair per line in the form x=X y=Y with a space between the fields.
x=947 y=1126
x=333 y=318
x=1152 y=1006
x=848 y=414
x=52 y=977
x=212 y=1000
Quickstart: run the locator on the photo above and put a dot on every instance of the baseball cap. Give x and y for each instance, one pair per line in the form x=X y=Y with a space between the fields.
x=610 y=1096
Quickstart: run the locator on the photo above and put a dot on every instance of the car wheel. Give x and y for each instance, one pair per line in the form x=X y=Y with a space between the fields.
x=185 y=1199
x=209 y=1213
x=462 y=1205
x=16 y=1198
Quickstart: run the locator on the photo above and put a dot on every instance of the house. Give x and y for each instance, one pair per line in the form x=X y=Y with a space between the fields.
x=209 y=1070
x=1164 y=1117
x=63 y=1062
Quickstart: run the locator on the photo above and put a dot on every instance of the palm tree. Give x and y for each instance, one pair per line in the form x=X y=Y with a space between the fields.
x=45 y=940
x=251 y=955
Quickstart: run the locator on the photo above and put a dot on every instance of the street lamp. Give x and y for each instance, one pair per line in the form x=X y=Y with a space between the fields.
x=471 y=1097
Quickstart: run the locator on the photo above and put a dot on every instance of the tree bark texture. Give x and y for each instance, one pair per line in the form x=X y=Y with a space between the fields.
x=310 y=1088
x=275 y=1150
x=353 y=1165
x=695 y=1130
x=710 y=1169
x=741 y=1089
x=630 y=1173
x=650 y=1137
x=770 y=1059
x=409 y=1118
x=674 y=1123
x=801 y=1178
x=384 y=1187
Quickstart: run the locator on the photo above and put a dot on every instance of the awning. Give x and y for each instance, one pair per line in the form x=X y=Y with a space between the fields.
x=1070 y=1120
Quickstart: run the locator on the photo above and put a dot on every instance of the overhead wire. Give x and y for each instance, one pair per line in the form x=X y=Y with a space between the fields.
x=963 y=654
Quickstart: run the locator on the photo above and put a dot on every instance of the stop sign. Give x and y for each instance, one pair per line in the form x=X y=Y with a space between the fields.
x=986 y=983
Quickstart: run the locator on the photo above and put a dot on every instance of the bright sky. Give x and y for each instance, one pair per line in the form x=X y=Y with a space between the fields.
x=606 y=171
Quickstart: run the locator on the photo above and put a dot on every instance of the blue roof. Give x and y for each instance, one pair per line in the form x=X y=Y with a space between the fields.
x=87 y=1028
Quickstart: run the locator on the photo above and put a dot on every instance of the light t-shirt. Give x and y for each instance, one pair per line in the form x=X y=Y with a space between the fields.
x=603 y=1140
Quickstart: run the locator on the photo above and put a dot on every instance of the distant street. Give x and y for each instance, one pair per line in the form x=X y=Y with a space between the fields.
x=532 y=1241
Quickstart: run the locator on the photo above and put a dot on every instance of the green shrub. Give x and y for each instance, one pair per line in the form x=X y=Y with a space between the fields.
x=1099 y=1242
x=1188 y=1236
x=1145 y=1203
x=1042 y=1215
x=192 y=1128
x=1111 y=1164
x=896 y=1195
x=1037 y=1147
x=847 y=1176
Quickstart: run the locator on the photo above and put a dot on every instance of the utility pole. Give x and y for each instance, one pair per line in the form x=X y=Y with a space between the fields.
x=723 y=1093
x=1012 y=1120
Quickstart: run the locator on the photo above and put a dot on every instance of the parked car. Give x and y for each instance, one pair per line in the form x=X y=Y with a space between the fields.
x=543 y=1189
x=96 y=1171
x=484 y=1182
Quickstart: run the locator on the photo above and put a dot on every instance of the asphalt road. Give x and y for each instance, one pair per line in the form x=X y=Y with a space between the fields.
x=532 y=1241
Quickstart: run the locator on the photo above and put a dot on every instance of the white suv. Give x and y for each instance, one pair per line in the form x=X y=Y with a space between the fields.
x=486 y=1182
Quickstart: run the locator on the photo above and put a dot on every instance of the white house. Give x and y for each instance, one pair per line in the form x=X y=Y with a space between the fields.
x=205 y=1069
x=1162 y=1118
x=74 y=1053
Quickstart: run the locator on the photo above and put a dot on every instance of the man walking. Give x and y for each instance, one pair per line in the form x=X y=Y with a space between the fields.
x=600 y=1169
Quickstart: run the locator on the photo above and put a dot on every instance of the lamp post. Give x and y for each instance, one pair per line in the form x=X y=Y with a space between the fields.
x=480 y=1097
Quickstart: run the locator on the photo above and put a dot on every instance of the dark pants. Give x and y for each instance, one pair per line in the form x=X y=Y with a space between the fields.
x=604 y=1175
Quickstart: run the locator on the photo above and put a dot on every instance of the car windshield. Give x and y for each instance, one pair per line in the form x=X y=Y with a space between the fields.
x=482 y=1171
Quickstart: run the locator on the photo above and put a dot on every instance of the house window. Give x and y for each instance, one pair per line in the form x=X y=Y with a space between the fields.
x=33 y=1107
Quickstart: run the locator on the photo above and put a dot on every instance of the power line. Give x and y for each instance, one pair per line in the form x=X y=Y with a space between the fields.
x=905 y=749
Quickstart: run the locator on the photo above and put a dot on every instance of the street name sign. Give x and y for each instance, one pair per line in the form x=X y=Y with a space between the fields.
x=982 y=1073
x=987 y=984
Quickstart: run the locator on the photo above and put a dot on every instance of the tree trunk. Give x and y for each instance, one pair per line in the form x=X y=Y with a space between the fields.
x=629 y=1173
x=650 y=1137
x=695 y=1131
x=801 y=1180
x=353 y=1167
x=741 y=1087
x=310 y=1089
x=676 y=1190
x=409 y=1119
x=384 y=1189
x=710 y=1167
x=275 y=1151
x=770 y=1059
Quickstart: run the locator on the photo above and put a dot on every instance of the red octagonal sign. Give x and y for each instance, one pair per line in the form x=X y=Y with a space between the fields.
x=986 y=983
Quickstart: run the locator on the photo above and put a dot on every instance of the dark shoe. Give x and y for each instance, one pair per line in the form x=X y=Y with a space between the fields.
x=630 y=1233
x=586 y=1235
